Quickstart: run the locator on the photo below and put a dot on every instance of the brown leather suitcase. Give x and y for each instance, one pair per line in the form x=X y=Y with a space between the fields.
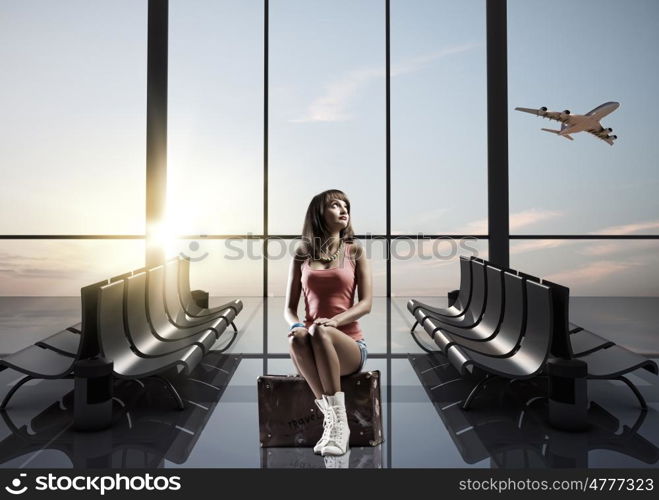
x=288 y=415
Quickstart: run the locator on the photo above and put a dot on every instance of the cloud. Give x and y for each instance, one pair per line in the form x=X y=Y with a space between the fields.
x=594 y=249
x=590 y=273
x=10 y=257
x=26 y=273
x=30 y=267
x=60 y=268
x=642 y=247
x=601 y=263
x=517 y=247
x=17 y=266
x=601 y=249
x=333 y=105
x=528 y=217
x=517 y=220
x=632 y=228
x=611 y=247
x=419 y=62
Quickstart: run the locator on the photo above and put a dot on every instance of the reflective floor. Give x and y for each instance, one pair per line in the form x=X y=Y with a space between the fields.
x=423 y=423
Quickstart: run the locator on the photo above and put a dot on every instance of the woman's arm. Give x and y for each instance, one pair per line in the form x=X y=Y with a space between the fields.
x=293 y=290
x=364 y=291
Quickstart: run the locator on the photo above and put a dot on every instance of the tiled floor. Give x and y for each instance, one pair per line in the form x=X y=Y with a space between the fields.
x=424 y=427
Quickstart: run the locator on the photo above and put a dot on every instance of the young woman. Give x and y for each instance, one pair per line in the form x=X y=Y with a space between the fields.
x=328 y=267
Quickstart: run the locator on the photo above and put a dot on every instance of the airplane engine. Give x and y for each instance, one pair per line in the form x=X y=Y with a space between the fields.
x=609 y=130
x=614 y=137
x=566 y=112
x=542 y=110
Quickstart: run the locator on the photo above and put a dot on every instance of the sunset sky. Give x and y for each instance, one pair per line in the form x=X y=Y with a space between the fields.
x=73 y=112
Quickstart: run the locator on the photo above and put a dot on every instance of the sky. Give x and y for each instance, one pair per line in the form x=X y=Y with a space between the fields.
x=73 y=108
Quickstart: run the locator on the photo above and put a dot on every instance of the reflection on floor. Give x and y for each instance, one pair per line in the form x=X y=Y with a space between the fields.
x=508 y=423
x=146 y=431
x=424 y=427
x=304 y=458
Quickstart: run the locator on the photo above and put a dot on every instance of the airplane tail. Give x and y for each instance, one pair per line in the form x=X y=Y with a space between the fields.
x=557 y=132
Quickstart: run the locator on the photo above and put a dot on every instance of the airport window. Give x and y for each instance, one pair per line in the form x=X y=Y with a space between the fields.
x=592 y=268
x=60 y=267
x=247 y=109
x=73 y=100
x=224 y=267
x=584 y=186
x=215 y=117
x=439 y=117
x=327 y=109
x=326 y=113
x=430 y=267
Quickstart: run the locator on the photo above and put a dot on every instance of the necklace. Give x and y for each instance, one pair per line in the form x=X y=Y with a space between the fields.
x=333 y=256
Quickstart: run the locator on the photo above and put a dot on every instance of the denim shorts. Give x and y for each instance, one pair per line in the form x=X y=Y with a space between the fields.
x=363 y=351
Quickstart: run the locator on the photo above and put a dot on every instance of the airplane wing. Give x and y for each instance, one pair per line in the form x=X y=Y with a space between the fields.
x=552 y=115
x=604 y=136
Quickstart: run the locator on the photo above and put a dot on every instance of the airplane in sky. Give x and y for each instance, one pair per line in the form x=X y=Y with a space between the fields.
x=571 y=124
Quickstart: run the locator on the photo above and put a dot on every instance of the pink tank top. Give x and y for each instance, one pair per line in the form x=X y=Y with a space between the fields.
x=328 y=292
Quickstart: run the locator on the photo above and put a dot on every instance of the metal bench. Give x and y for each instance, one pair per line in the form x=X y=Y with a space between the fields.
x=40 y=362
x=507 y=335
x=477 y=304
x=484 y=329
x=459 y=302
x=527 y=361
x=186 y=300
x=114 y=345
x=141 y=332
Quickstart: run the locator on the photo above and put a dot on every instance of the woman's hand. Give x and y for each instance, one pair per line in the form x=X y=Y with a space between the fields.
x=326 y=322
x=292 y=332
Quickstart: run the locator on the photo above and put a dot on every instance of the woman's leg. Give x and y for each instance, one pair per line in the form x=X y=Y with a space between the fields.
x=303 y=359
x=335 y=355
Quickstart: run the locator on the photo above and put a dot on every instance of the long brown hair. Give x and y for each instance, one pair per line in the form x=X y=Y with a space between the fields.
x=315 y=235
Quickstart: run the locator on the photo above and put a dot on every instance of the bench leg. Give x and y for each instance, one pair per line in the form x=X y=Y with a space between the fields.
x=474 y=392
x=418 y=342
x=17 y=386
x=639 y=421
x=172 y=390
x=138 y=382
x=413 y=327
x=233 y=325
x=637 y=393
x=234 y=335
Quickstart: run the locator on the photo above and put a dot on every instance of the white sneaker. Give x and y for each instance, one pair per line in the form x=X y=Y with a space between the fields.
x=340 y=462
x=339 y=432
x=328 y=421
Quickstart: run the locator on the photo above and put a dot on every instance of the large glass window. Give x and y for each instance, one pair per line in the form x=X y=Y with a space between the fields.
x=592 y=267
x=73 y=101
x=438 y=117
x=215 y=129
x=327 y=109
x=430 y=267
x=62 y=267
x=223 y=267
x=40 y=282
x=575 y=56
